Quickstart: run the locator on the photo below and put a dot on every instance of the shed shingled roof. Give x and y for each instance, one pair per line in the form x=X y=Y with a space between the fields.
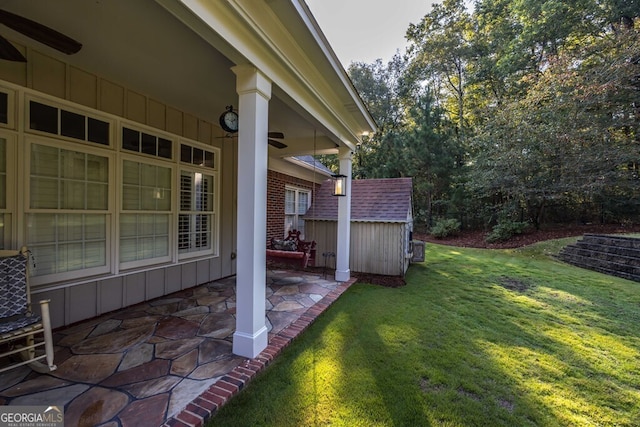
x=380 y=200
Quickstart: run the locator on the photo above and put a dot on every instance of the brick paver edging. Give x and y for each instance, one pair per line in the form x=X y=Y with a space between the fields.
x=207 y=404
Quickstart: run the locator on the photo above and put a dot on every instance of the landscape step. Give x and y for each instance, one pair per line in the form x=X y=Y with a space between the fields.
x=613 y=255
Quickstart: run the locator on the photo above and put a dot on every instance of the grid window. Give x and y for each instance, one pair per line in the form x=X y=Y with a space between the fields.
x=67 y=180
x=56 y=121
x=197 y=156
x=146 y=205
x=67 y=242
x=195 y=222
x=296 y=203
x=145 y=143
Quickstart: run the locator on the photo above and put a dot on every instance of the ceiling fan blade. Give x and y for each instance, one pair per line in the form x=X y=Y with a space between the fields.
x=276 y=144
x=40 y=33
x=9 y=51
x=278 y=135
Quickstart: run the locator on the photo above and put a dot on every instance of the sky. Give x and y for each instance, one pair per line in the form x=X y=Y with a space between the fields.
x=365 y=30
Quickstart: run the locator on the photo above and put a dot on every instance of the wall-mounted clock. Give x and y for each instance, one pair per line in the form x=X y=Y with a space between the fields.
x=229 y=120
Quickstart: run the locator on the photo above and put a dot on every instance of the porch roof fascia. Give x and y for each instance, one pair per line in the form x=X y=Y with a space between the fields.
x=282 y=39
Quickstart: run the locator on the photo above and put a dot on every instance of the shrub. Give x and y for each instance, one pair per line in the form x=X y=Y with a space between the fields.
x=506 y=229
x=445 y=228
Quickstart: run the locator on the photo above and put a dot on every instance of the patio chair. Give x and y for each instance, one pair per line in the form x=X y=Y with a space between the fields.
x=18 y=325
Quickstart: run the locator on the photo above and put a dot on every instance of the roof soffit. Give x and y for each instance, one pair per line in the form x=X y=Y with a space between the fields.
x=253 y=32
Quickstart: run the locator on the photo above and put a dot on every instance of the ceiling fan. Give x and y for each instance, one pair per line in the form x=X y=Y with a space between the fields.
x=37 y=32
x=273 y=136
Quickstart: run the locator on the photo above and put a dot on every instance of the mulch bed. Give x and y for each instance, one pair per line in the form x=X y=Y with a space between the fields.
x=476 y=239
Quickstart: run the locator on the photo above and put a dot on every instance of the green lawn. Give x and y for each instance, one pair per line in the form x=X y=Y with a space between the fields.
x=476 y=338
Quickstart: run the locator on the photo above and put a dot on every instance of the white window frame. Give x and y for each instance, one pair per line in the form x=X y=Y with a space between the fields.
x=11 y=107
x=18 y=186
x=61 y=105
x=296 y=215
x=9 y=211
x=27 y=210
x=146 y=160
x=213 y=213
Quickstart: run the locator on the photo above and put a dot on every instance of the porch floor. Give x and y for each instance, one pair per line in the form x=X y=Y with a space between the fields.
x=167 y=361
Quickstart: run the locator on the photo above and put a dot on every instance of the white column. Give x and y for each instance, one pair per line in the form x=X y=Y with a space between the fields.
x=343 y=273
x=254 y=91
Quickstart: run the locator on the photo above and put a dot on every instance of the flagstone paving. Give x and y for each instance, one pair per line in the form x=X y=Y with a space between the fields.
x=167 y=361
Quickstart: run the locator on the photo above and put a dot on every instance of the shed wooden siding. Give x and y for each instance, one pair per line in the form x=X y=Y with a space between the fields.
x=376 y=247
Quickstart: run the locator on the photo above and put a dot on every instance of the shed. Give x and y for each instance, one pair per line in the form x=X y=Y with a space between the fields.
x=381 y=225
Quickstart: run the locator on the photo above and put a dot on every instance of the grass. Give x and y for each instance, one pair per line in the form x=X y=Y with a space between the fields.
x=476 y=338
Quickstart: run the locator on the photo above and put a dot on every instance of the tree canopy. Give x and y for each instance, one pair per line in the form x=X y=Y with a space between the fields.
x=521 y=109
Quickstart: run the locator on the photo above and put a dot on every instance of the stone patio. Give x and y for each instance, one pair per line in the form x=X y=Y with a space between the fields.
x=167 y=361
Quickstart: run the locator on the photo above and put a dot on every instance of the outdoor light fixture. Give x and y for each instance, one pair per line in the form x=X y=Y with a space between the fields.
x=339 y=185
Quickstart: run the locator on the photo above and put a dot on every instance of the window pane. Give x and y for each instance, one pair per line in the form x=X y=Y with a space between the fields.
x=72 y=125
x=66 y=242
x=130 y=139
x=198 y=157
x=95 y=227
x=288 y=223
x=128 y=225
x=69 y=227
x=44 y=160
x=130 y=197
x=97 y=196
x=73 y=195
x=165 y=148
x=163 y=199
x=303 y=202
x=143 y=236
x=45 y=257
x=4 y=108
x=164 y=178
x=209 y=159
x=148 y=175
x=183 y=232
x=289 y=202
x=131 y=172
x=185 y=153
x=161 y=247
x=128 y=250
x=44 y=193
x=95 y=254
x=73 y=165
x=98 y=131
x=149 y=144
x=186 y=182
x=44 y=228
x=43 y=117
x=97 y=168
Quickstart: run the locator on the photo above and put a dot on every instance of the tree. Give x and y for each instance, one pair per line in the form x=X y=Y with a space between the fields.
x=440 y=52
x=574 y=136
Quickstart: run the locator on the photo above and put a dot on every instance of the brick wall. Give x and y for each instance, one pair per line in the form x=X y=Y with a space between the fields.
x=276 y=182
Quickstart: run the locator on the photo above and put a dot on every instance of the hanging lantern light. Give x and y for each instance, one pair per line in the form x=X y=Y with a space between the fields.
x=339 y=185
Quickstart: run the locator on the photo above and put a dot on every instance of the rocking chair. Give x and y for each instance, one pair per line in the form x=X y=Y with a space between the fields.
x=18 y=325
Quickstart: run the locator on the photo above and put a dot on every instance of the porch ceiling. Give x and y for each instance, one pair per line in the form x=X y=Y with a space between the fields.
x=142 y=45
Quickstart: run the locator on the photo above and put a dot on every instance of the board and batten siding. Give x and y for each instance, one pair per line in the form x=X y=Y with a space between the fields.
x=75 y=300
x=376 y=247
